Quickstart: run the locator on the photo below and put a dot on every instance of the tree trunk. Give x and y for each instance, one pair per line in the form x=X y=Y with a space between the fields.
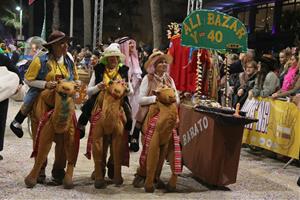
x=55 y=21
x=156 y=23
x=87 y=22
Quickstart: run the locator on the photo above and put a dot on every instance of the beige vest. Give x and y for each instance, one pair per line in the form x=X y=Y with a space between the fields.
x=153 y=83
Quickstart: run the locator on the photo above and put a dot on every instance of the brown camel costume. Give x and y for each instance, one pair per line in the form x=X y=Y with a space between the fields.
x=109 y=125
x=160 y=144
x=58 y=127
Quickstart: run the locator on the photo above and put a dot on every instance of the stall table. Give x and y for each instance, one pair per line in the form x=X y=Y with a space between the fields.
x=211 y=143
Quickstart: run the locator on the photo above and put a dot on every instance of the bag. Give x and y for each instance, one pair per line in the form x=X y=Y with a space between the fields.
x=19 y=96
x=9 y=83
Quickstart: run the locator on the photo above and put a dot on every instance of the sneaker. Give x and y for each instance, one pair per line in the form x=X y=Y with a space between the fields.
x=134 y=145
x=55 y=182
x=298 y=182
x=138 y=181
x=16 y=128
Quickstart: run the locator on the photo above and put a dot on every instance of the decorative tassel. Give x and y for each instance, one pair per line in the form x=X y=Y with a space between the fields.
x=199 y=75
x=226 y=86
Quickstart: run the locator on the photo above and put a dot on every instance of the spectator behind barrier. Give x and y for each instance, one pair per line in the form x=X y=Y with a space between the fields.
x=246 y=83
x=266 y=81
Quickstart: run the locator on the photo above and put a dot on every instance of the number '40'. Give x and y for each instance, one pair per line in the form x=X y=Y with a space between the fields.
x=215 y=36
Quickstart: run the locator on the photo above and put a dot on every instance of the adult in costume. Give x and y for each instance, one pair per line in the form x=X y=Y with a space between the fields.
x=128 y=48
x=157 y=77
x=43 y=73
x=156 y=66
x=110 y=68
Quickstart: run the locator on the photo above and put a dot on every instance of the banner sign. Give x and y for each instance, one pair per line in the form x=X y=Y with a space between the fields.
x=278 y=128
x=214 y=30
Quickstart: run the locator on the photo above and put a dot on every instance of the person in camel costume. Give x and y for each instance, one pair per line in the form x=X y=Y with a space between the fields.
x=108 y=120
x=161 y=120
x=157 y=67
x=128 y=48
x=110 y=68
x=43 y=73
x=58 y=124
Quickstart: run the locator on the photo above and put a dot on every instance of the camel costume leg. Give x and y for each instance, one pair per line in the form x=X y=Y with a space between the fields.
x=38 y=110
x=152 y=161
x=105 y=150
x=117 y=141
x=44 y=147
x=110 y=162
x=70 y=150
x=171 y=186
x=162 y=156
x=98 y=159
x=59 y=164
x=34 y=125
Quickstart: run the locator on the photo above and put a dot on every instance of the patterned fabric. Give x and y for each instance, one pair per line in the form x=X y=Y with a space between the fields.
x=94 y=118
x=147 y=139
x=177 y=153
x=110 y=75
x=42 y=123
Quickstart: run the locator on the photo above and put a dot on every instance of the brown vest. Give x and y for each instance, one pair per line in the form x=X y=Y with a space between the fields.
x=153 y=83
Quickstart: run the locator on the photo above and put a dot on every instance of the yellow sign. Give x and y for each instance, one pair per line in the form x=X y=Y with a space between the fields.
x=278 y=128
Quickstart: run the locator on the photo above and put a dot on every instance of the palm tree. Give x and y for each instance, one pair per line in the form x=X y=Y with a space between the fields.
x=11 y=19
x=156 y=22
x=55 y=22
x=87 y=22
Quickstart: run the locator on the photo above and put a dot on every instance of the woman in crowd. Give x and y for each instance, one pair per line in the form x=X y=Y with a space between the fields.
x=291 y=82
x=246 y=83
x=266 y=81
x=284 y=57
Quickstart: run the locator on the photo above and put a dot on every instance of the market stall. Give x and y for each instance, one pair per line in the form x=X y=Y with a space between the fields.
x=211 y=135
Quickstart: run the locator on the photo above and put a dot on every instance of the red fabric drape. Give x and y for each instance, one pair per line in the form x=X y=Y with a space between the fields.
x=178 y=69
x=30 y=2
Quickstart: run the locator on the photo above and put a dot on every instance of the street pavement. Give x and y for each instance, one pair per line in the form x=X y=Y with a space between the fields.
x=259 y=177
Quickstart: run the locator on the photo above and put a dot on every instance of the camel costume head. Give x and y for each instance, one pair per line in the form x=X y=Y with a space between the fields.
x=117 y=89
x=165 y=95
x=65 y=103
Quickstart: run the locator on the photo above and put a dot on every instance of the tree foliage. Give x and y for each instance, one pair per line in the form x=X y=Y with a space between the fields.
x=11 y=19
